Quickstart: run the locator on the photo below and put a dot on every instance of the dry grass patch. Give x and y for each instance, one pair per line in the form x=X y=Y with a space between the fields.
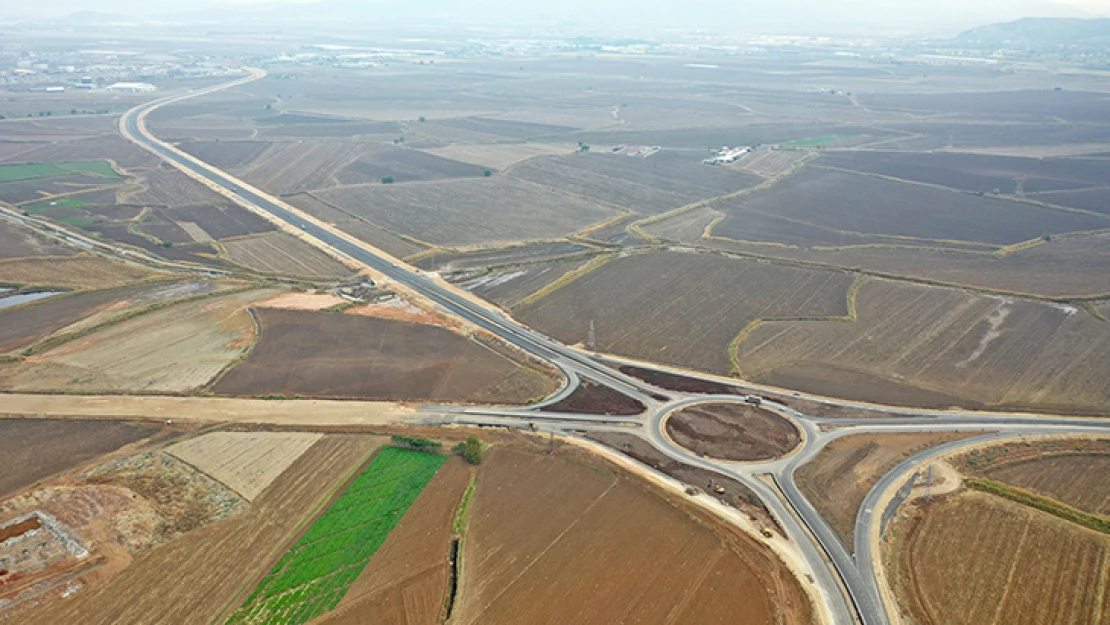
x=83 y=271
x=246 y=462
x=175 y=349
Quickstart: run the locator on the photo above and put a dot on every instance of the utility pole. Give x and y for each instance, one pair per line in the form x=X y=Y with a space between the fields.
x=591 y=337
x=929 y=484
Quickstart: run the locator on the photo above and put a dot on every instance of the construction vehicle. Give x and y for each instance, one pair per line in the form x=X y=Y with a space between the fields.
x=766 y=533
x=717 y=488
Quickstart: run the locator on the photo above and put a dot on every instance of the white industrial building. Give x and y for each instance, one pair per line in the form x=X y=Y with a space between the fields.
x=132 y=87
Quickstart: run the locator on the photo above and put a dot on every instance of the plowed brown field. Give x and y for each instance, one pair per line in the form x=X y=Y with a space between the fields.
x=355 y=356
x=552 y=541
x=34 y=449
x=974 y=558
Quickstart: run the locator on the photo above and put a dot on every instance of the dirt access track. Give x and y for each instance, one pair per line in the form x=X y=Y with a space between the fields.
x=275 y=412
x=739 y=432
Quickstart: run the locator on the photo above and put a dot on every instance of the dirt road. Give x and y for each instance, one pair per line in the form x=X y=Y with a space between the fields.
x=276 y=412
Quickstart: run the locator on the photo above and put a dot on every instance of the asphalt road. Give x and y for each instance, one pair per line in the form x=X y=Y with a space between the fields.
x=847 y=581
x=524 y=338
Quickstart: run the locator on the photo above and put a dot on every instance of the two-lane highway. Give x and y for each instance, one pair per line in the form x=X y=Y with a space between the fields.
x=538 y=345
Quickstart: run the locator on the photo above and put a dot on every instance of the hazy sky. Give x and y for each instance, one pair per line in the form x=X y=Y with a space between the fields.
x=924 y=16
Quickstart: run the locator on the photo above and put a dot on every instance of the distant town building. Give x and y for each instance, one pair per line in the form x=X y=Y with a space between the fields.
x=727 y=155
x=132 y=87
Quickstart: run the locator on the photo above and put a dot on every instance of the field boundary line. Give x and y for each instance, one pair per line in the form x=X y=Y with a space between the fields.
x=810 y=264
x=1048 y=505
x=996 y=196
x=238 y=360
x=596 y=263
x=851 y=295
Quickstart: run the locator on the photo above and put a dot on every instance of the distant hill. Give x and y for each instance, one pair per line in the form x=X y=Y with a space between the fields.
x=1034 y=32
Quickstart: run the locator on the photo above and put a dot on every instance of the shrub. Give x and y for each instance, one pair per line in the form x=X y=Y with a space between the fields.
x=471 y=450
x=417 y=443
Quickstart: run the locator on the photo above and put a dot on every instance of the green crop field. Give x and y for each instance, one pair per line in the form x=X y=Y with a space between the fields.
x=32 y=171
x=62 y=202
x=316 y=573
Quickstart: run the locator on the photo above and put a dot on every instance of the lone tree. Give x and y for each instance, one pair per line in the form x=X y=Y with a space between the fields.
x=471 y=450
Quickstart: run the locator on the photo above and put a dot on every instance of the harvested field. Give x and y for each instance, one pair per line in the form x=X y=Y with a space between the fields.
x=683 y=309
x=770 y=163
x=82 y=271
x=1071 y=471
x=839 y=478
x=35 y=449
x=174 y=349
x=23 y=191
x=593 y=398
x=408 y=577
x=1064 y=267
x=163 y=186
x=353 y=356
x=977 y=558
x=500 y=155
x=219 y=221
x=820 y=207
x=1026 y=105
x=460 y=213
x=937 y=347
x=508 y=287
x=208 y=571
x=686 y=227
x=112 y=147
x=404 y=165
x=662 y=182
x=550 y=537
x=226 y=155
x=975 y=172
x=313 y=164
x=24 y=326
x=1095 y=200
x=18 y=243
x=739 y=432
x=245 y=462
x=505 y=127
x=386 y=241
x=285 y=254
